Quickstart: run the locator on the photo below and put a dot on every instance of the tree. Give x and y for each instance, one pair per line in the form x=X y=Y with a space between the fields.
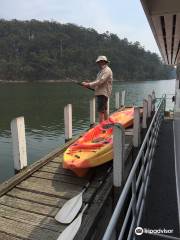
x=35 y=50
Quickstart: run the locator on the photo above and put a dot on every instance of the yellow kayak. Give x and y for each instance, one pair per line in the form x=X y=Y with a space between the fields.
x=94 y=148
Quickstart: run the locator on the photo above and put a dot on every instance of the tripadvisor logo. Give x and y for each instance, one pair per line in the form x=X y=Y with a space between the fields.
x=139 y=231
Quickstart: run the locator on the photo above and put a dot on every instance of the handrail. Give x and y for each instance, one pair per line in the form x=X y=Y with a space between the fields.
x=137 y=200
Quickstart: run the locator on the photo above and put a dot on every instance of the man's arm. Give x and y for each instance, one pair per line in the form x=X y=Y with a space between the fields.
x=98 y=82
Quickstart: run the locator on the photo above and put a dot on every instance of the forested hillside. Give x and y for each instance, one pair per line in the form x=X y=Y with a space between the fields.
x=34 y=50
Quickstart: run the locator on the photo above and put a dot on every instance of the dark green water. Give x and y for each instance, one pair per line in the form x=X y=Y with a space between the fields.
x=42 y=105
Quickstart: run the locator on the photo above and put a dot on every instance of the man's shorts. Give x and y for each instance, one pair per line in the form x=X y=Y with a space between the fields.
x=101 y=103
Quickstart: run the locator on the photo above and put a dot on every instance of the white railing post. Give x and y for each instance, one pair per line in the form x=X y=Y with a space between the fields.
x=68 y=122
x=153 y=100
x=149 y=105
x=19 y=143
x=118 y=154
x=136 y=127
x=117 y=100
x=145 y=112
x=108 y=103
x=92 y=111
x=123 y=97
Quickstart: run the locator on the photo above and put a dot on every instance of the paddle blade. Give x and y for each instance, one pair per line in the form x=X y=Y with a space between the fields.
x=70 y=232
x=70 y=209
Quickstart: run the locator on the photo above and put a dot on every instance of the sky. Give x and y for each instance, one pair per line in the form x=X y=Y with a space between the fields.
x=125 y=18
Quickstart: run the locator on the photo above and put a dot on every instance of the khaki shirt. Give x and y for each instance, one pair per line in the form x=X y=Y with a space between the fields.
x=103 y=83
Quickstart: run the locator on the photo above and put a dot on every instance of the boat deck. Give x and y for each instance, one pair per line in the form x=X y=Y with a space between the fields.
x=161 y=209
x=30 y=200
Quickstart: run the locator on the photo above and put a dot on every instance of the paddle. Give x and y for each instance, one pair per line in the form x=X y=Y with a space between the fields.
x=70 y=232
x=80 y=83
x=71 y=208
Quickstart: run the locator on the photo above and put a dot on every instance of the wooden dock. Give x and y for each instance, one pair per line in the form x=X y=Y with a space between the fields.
x=30 y=200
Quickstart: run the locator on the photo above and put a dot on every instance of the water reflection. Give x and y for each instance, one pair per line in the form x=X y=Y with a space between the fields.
x=42 y=105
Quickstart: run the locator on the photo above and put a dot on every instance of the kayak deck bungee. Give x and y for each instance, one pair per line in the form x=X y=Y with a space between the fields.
x=94 y=148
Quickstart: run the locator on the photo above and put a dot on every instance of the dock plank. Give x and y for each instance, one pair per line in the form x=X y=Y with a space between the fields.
x=5 y=236
x=26 y=231
x=54 y=188
x=55 y=169
x=60 y=178
x=49 y=186
x=28 y=171
x=30 y=218
x=29 y=206
x=58 y=159
x=55 y=165
x=36 y=197
x=52 y=169
x=63 y=172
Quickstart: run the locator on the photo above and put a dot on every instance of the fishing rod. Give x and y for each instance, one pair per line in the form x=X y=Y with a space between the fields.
x=70 y=232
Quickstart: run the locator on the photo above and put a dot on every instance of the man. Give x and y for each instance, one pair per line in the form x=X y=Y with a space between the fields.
x=102 y=86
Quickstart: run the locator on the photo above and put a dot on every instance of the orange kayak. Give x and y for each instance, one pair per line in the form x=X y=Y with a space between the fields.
x=94 y=148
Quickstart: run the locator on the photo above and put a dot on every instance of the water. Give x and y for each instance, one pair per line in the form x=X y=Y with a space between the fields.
x=42 y=105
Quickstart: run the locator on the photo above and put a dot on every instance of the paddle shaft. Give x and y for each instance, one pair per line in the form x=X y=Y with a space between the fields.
x=88 y=183
x=70 y=232
x=101 y=181
x=71 y=208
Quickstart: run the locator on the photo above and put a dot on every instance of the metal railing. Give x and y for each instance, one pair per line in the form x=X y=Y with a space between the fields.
x=136 y=185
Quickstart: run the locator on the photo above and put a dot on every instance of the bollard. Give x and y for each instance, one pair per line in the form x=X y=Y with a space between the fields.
x=92 y=111
x=153 y=100
x=123 y=97
x=118 y=168
x=118 y=154
x=108 y=102
x=145 y=112
x=117 y=101
x=149 y=105
x=68 y=122
x=19 y=143
x=136 y=127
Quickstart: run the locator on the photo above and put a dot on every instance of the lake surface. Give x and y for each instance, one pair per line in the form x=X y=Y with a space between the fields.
x=42 y=105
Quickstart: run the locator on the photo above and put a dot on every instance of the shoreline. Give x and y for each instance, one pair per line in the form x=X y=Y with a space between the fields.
x=68 y=81
x=35 y=81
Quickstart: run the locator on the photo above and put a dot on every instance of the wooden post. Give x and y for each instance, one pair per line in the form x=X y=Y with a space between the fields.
x=118 y=154
x=149 y=105
x=68 y=122
x=108 y=106
x=92 y=111
x=136 y=127
x=19 y=143
x=145 y=111
x=153 y=100
x=123 y=97
x=117 y=100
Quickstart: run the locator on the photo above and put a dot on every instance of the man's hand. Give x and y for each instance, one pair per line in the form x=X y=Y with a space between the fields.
x=85 y=84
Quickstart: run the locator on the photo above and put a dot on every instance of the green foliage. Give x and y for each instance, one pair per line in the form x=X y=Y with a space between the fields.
x=34 y=50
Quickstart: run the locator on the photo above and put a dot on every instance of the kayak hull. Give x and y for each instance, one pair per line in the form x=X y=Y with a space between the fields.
x=94 y=148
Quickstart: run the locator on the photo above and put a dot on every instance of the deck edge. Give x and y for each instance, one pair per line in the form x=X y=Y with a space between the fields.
x=23 y=174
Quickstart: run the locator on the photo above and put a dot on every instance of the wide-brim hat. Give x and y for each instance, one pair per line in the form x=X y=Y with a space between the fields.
x=102 y=58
